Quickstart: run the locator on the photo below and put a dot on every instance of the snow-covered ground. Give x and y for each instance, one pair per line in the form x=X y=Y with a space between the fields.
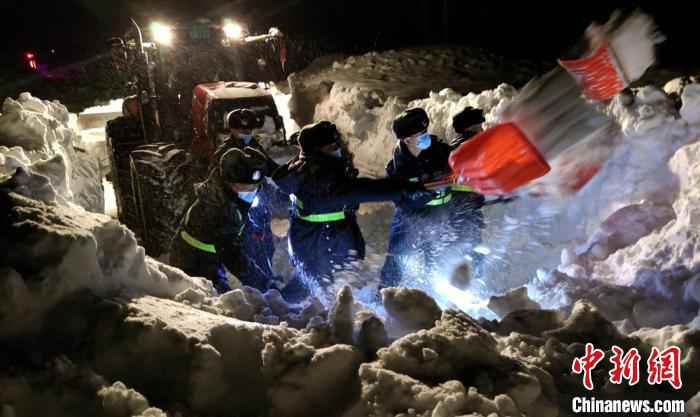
x=92 y=327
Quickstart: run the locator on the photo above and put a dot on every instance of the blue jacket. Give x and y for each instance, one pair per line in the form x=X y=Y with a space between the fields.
x=325 y=194
x=431 y=164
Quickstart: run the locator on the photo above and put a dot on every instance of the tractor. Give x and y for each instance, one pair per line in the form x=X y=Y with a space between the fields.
x=183 y=109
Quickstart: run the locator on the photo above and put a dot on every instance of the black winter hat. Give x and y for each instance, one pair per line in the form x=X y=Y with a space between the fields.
x=467 y=118
x=244 y=119
x=410 y=122
x=247 y=166
x=315 y=136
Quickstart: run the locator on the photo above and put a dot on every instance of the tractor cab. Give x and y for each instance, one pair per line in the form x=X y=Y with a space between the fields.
x=213 y=102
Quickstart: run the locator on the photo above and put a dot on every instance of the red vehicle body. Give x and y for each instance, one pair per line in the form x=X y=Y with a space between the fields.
x=211 y=104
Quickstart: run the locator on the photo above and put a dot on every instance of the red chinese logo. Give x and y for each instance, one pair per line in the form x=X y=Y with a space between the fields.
x=625 y=367
x=587 y=363
x=664 y=366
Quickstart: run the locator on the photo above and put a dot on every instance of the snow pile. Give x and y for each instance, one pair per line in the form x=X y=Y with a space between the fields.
x=72 y=390
x=639 y=266
x=634 y=191
x=114 y=106
x=35 y=136
x=413 y=72
x=92 y=122
x=52 y=252
x=637 y=169
x=674 y=245
x=629 y=196
x=94 y=141
x=96 y=117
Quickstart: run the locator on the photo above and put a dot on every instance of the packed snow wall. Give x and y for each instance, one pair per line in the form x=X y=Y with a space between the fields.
x=36 y=137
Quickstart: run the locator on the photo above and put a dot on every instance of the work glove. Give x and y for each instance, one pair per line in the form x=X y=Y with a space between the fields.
x=415 y=195
x=277 y=283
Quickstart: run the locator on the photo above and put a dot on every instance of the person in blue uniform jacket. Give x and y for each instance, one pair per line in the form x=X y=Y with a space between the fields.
x=325 y=192
x=427 y=239
x=258 y=241
x=211 y=236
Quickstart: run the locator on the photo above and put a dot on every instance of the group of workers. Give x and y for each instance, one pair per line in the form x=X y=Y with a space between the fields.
x=228 y=227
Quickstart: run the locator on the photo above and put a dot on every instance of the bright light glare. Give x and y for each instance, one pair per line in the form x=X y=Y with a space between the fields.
x=162 y=34
x=466 y=300
x=233 y=31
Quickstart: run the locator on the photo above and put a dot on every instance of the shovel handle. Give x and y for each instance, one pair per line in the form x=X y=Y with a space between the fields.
x=440 y=183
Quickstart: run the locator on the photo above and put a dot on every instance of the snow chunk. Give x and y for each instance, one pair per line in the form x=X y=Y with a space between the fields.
x=409 y=309
x=319 y=387
x=119 y=401
x=460 y=344
x=650 y=108
x=341 y=316
x=190 y=295
x=515 y=299
x=532 y=322
x=587 y=325
x=690 y=111
x=454 y=353
x=388 y=393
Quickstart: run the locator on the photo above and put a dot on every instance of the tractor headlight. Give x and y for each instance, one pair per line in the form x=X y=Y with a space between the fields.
x=162 y=33
x=233 y=31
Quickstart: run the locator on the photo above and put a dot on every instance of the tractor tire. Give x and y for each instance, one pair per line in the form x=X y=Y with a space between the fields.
x=120 y=152
x=163 y=189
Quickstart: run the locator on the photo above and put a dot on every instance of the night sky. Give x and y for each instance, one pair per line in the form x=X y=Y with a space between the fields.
x=77 y=29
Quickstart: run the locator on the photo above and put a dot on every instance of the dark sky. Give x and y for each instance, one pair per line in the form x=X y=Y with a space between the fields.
x=77 y=29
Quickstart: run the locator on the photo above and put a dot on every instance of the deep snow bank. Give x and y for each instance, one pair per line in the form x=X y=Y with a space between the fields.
x=35 y=135
x=51 y=252
x=404 y=74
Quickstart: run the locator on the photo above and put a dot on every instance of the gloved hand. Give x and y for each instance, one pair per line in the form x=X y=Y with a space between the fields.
x=500 y=200
x=277 y=282
x=415 y=195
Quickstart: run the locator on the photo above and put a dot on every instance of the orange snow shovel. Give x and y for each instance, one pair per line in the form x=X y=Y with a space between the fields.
x=497 y=161
x=599 y=74
x=550 y=114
